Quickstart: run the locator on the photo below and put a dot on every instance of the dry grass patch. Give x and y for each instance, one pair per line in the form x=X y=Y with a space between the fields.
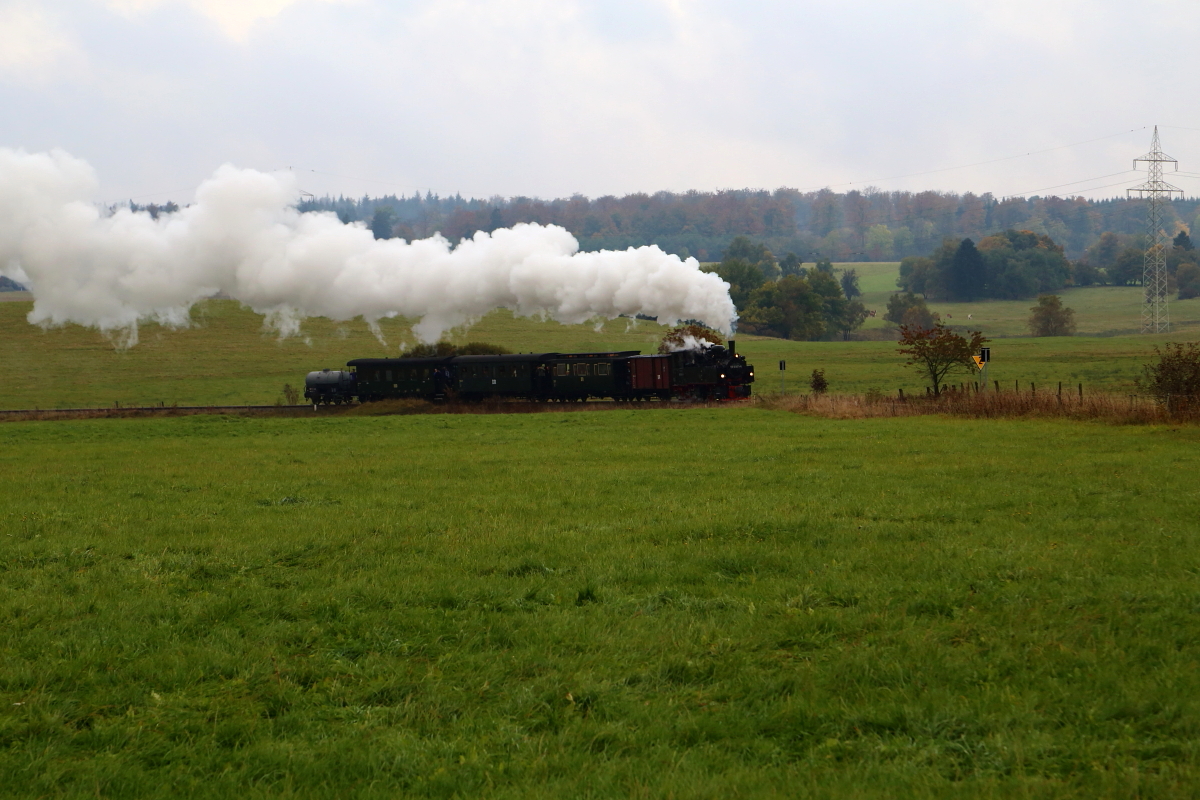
x=1118 y=409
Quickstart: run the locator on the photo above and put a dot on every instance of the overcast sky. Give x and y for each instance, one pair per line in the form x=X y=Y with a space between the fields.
x=555 y=97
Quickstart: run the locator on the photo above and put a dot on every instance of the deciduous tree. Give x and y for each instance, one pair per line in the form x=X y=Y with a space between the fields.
x=849 y=283
x=1187 y=278
x=938 y=351
x=1050 y=318
x=1174 y=376
x=1128 y=267
x=908 y=309
x=684 y=336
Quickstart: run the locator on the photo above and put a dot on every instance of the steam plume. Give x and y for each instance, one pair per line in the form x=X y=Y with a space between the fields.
x=243 y=237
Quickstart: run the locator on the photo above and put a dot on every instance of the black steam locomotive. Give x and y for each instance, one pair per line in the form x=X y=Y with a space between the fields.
x=709 y=373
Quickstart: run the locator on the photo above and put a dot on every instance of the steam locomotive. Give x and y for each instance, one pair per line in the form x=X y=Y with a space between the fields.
x=707 y=373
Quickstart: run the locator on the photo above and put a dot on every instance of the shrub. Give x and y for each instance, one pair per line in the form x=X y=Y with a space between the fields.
x=1174 y=377
x=817 y=383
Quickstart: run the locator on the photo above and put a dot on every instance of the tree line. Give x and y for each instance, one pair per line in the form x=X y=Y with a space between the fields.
x=870 y=225
x=1014 y=264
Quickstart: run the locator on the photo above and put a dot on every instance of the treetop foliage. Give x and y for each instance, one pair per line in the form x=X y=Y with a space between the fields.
x=1009 y=265
x=690 y=334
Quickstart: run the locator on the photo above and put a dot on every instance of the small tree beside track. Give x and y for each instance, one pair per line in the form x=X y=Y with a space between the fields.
x=938 y=351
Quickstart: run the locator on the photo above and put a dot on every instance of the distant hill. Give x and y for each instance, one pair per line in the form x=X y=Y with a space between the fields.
x=9 y=285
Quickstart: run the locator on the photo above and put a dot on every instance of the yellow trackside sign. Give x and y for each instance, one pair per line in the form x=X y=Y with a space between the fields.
x=978 y=361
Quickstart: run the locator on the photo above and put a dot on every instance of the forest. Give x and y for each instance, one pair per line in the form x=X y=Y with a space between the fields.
x=870 y=225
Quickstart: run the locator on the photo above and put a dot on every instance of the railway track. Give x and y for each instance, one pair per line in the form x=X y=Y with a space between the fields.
x=118 y=411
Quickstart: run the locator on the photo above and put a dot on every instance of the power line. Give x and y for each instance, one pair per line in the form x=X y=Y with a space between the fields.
x=1073 y=183
x=978 y=163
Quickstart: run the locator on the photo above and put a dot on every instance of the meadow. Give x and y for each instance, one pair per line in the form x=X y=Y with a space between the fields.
x=1102 y=311
x=226 y=358
x=668 y=602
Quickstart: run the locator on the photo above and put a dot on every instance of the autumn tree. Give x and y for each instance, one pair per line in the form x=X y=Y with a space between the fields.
x=683 y=337
x=938 y=351
x=1050 y=318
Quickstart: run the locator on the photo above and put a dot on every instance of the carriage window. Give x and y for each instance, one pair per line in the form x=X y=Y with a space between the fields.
x=602 y=369
x=560 y=369
x=389 y=374
x=514 y=372
x=581 y=369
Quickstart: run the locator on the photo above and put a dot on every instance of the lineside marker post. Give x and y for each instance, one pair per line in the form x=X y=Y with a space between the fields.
x=981 y=361
x=782 y=369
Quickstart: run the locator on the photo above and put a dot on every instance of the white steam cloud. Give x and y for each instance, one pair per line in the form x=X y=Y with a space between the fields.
x=243 y=237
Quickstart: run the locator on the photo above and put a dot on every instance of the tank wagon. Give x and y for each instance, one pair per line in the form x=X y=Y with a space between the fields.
x=711 y=373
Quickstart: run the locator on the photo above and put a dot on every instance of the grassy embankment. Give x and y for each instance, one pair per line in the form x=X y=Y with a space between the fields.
x=226 y=359
x=684 y=603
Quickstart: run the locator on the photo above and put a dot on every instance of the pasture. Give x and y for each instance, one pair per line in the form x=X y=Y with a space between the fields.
x=665 y=602
x=226 y=358
x=1099 y=310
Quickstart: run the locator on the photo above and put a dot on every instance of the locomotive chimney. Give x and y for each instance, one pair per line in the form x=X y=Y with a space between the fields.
x=732 y=347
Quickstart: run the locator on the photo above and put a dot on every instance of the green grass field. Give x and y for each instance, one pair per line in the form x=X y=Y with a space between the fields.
x=658 y=603
x=226 y=358
x=1099 y=310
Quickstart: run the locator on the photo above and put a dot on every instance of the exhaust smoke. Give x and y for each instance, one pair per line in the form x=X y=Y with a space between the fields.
x=243 y=237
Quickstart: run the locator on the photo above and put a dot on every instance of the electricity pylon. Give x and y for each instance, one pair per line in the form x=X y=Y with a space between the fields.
x=1155 y=317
